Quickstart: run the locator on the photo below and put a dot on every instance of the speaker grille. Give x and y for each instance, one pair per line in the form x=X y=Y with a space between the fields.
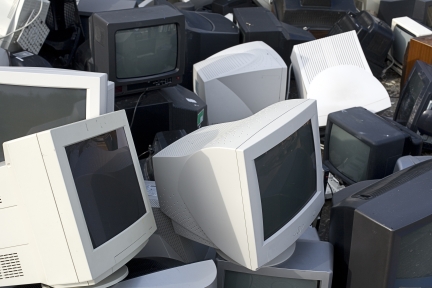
x=10 y=266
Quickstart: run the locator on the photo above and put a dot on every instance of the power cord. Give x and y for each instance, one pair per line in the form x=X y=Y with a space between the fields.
x=26 y=25
x=289 y=82
x=136 y=106
x=388 y=67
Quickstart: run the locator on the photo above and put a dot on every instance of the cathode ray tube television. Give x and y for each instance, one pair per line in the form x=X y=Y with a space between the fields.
x=37 y=99
x=222 y=184
x=74 y=206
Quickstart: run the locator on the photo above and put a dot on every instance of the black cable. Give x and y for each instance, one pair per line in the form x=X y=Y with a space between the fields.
x=136 y=106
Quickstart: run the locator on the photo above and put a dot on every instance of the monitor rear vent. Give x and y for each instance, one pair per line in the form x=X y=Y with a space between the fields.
x=393 y=181
x=10 y=266
x=217 y=67
x=1 y=200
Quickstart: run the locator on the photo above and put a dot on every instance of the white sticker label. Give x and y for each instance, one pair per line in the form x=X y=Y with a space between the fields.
x=191 y=100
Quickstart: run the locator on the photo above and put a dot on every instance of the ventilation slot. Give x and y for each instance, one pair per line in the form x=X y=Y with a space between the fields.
x=10 y=266
x=0 y=200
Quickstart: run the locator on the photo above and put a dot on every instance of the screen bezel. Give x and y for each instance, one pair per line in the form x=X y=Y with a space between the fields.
x=261 y=142
x=91 y=263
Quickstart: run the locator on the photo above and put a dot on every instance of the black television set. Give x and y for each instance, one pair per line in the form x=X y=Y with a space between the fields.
x=139 y=49
x=224 y=7
x=316 y=15
x=423 y=12
x=360 y=145
x=390 y=9
x=381 y=231
x=415 y=97
x=206 y=34
x=375 y=37
x=259 y=24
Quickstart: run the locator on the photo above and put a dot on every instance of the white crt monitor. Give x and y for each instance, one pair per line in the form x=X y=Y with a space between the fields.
x=74 y=208
x=36 y=99
x=311 y=58
x=248 y=188
x=240 y=81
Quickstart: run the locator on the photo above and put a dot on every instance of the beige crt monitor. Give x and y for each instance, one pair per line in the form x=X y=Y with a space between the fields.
x=248 y=188
x=74 y=207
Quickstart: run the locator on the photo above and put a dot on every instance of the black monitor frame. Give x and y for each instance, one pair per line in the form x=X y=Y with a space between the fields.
x=103 y=27
x=424 y=71
x=421 y=12
x=368 y=221
x=390 y=9
x=371 y=129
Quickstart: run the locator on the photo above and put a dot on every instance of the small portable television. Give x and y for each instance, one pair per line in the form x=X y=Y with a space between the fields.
x=360 y=145
x=36 y=99
x=381 y=231
x=416 y=96
x=248 y=188
x=220 y=81
x=260 y=24
x=404 y=29
x=74 y=206
x=313 y=57
x=139 y=49
x=390 y=9
x=375 y=36
x=423 y=12
x=316 y=16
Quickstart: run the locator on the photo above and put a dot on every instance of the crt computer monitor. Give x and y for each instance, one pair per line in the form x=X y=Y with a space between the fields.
x=240 y=81
x=416 y=96
x=37 y=99
x=423 y=12
x=390 y=9
x=140 y=49
x=248 y=188
x=360 y=145
x=381 y=231
x=74 y=206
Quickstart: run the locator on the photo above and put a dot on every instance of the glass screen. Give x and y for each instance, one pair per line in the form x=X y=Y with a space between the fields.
x=402 y=38
x=349 y=155
x=412 y=91
x=415 y=259
x=146 y=51
x=429 y=16
x=244 y=280
x=107 y=184
x=287 y=179
x=26 y=110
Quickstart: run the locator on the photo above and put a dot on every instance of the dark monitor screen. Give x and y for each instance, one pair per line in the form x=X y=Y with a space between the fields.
x=146 y=51
x=402 y=38
x=107 y=184
x=26 y=110
x=349 y=155
x=244 y=280
x=415 y=259
x=286 y=178
x=411 y=92
x=429 y=16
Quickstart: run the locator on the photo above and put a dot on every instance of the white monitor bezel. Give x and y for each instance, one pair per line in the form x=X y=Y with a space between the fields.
x=96 y=84
x=106 y=258
x=246 y=154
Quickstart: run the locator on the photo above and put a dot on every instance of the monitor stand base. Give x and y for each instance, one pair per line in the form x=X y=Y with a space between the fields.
x=111 y=280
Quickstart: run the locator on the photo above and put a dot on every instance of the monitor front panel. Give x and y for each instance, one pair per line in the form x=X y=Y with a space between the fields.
x=26 y=110
x=414 y=265
x=411 y=93
x=107 y=184
x=146 y=51
x=235 y=279
x=287 y=179
x=349 y=155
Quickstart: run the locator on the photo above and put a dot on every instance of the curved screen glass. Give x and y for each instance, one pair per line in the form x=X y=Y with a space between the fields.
x=26 y=110
x=107 y=184
x=412 y=91
x=146 y=51
x=287 y=178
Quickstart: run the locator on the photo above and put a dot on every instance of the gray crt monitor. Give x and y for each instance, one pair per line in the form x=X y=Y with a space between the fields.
x=26 y=110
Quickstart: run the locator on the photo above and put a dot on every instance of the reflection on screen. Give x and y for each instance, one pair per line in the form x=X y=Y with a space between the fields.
x=107 y=184
x=415 y=259
x=287 y=178
x=244 y=280
x=412 y=91
x=146 y=51
x=26 y=110
x=429 y=16
x=348 y=154
x=399 y=46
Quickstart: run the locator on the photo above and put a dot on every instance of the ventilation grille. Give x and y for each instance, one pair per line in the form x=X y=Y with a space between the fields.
x=1 y=200
x=342 y=49
x=219 y=66
x=393 y=181
x=10 y=266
